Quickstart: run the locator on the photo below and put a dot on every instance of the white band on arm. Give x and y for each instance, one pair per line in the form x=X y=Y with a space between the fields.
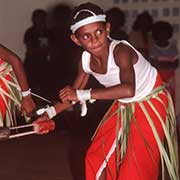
x=26 y=93
x=51 y=112
x=83 y=95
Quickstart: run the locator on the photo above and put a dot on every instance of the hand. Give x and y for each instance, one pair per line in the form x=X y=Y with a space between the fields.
x=68 y=94
x=27 y=105
x=43 y=125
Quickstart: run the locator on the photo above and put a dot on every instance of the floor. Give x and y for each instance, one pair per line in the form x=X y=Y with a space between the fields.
x=35 y=157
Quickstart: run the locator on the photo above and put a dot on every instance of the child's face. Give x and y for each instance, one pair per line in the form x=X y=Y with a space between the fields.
x=92 y=37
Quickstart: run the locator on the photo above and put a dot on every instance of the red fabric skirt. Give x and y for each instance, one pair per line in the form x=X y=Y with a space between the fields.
x=2 y=103
x=141 y=161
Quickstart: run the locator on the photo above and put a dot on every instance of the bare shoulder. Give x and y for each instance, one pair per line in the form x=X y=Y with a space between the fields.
x=8 y=55
x=123 y=49
x=4 y=53
x=5 y=50
x=2 y=48
x=124 y=52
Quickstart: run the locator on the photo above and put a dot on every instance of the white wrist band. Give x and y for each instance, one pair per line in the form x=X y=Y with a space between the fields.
x=26 y=93
x=51 y=112
x=83 y=95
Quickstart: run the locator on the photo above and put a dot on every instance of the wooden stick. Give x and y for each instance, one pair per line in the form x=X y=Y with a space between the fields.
x=22 y=134
x=22 y=126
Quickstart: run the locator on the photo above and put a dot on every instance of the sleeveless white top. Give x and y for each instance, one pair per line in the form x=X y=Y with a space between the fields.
x=145 y=74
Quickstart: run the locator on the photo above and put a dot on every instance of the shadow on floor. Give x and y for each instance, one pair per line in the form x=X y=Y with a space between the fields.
x=35 y=157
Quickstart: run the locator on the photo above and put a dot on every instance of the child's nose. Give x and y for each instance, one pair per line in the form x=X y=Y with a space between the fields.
x=94 y=38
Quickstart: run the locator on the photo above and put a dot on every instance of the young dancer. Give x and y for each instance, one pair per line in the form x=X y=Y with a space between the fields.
x=130 y=140
x=14 y=89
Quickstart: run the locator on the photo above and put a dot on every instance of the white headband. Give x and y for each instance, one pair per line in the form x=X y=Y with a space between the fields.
x=88 y=20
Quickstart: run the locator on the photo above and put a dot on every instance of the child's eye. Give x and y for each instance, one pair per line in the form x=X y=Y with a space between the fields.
x=99 y=31
x=85 y=37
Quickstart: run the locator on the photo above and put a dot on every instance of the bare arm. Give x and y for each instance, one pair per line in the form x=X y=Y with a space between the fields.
x=11 y=58
x=69 y=93
x=125 y=57
x=17 y=66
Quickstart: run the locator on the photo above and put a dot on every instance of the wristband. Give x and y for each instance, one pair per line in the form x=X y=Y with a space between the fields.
x=26 y=93
x=51 y=112
x=83 y=95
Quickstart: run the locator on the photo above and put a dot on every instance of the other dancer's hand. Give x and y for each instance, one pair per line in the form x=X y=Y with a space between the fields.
x=43 y=125
x=27 y=105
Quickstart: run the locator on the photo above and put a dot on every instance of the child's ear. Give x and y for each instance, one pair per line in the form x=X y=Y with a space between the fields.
x=108 y=28
x=75 y=40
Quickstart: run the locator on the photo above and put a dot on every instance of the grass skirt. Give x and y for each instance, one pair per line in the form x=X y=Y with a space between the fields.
x=134 y=140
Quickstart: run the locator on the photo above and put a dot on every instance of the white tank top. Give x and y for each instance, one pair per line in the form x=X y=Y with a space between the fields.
x=145 y=74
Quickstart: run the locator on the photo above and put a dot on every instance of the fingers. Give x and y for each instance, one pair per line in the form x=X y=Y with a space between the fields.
x=27 y=106
x=24 y=112
x=67 y=94
x=44 y=127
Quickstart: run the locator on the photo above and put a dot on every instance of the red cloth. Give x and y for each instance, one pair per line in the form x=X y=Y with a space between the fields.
x=3 y=86
x=140 y=162
x=2 y=104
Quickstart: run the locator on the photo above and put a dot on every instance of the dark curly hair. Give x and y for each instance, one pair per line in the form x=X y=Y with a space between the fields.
x=116 y=17
x=143 y=21
x=162 y=30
